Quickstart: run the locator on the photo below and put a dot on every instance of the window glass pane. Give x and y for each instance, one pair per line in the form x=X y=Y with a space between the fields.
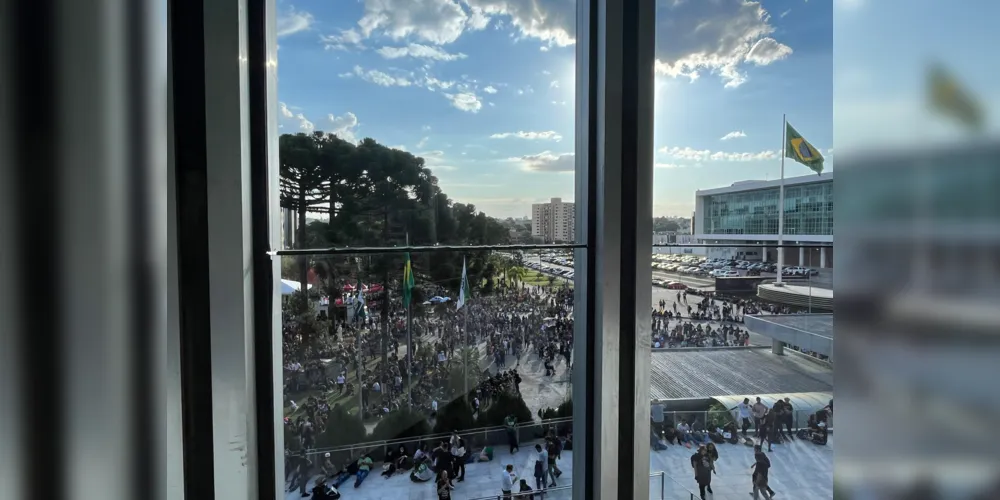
x=726 y=71
x=442 y=123
x=376 y=368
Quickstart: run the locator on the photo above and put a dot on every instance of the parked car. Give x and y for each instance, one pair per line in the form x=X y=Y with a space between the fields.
x=676 y=285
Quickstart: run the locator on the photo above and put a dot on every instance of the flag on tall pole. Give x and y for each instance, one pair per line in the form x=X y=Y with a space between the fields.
x=801 y=151
x=464 y=293
x=947 y=97
x=359 y=303
x=408 y=282
x=781 y=195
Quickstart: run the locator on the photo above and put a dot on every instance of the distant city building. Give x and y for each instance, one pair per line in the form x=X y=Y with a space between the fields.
x=554 y=221
x=747 y=212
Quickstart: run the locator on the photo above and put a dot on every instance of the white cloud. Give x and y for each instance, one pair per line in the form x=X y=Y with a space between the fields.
x=478 y=20
x=691 y=154
x=292 y=22
x=304 y=124
x=423 y=142
x=435 y=21
x=435 y=160
x=377 y=77
x=718 y=37
x=548 y=135
x=785 y=13
x=425 y=128
x=552 y=22
x=490 y=90
x=419 y=51
x=525 y=90
x=465 y=101
x=343 y=126
x=346 y=40
x=554 y=84
x=736 y=134
x=668 y=165
x=766 y=51
x=547 y=162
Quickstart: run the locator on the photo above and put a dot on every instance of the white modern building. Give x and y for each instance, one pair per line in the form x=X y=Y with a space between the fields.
x=554 y=221
x=747 y=213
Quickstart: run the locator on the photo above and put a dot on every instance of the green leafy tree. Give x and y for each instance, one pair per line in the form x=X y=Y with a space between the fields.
x=400 y=424
x=342 y=428
x=506 y=404
x=454 y=416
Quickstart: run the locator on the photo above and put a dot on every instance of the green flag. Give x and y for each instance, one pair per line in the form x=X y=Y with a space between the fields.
x=801 y=151
x=407 y=282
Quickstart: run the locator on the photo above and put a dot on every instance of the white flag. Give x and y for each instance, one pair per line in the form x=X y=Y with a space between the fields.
x=464 y=291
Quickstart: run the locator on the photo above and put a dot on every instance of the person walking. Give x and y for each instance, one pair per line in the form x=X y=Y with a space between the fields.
x=703 y=467
x=760 y=468
x=540 y=465
x=507 y=480
x=444 y=486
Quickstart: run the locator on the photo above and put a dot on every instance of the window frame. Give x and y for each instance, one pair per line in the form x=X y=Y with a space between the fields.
x=613 y=215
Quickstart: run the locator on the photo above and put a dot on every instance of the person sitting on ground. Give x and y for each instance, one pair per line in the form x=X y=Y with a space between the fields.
x=389 y=464
x=403 y=461
x=486 y=455
x=364 y=467
x=421 y=473
x=421 y=455
x=654 y=442
x=525 y=491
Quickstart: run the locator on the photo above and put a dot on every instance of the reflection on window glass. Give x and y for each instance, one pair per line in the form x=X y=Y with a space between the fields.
x=427 y=362
x=730 y=74
x=416 y=124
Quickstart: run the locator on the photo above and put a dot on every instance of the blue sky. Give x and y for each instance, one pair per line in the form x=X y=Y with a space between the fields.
x=484 y=89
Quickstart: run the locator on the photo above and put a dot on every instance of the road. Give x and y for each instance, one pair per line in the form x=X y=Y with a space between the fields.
x=823 y=280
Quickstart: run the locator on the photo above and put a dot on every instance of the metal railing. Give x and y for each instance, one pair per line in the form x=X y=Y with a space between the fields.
x=800 y=419
x=478 y=437
x=546 y=492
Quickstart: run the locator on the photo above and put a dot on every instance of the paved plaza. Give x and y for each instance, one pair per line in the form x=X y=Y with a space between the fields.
x=799 y=471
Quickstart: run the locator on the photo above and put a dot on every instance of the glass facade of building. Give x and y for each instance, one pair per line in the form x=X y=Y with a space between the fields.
x=808 y=211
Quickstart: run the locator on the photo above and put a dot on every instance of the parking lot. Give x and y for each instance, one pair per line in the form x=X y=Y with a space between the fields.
x=688 y=271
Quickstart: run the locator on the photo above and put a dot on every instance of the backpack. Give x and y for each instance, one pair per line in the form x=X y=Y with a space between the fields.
x=716 y=438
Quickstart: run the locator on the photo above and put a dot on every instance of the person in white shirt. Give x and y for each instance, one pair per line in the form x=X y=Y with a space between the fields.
x=507 y=480
x=743 y=414
x=458 y=451
x=684 y=433
x=341 y=380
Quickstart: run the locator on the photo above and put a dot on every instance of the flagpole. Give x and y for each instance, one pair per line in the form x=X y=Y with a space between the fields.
x=781 y=199
x=465 y=355
x=357 y=339
x=409 y=329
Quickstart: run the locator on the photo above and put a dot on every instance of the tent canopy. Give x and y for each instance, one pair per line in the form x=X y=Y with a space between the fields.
x=289 y=287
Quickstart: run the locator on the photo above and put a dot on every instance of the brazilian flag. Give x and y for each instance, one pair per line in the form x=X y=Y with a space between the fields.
x=801 y=151
x=949 y=98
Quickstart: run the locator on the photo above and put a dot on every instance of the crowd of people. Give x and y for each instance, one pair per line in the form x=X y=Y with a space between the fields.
x=367 y=362
x=713 y=320
x=770 y=424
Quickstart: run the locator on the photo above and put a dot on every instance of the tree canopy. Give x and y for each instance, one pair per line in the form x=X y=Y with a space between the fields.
x=373 y=195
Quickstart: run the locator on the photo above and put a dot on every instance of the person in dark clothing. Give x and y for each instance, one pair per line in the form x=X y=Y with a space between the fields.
x=703 y=467
x=305 y=466
x=761 y=467
x=786 y=417
x=767 y=429
x=525 y=491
